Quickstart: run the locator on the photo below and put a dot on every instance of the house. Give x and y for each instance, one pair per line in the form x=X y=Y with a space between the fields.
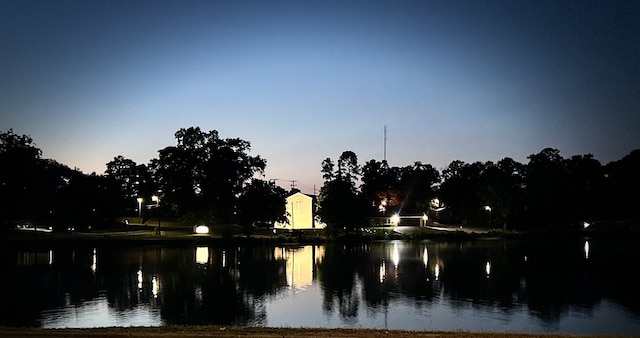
x=301 y=213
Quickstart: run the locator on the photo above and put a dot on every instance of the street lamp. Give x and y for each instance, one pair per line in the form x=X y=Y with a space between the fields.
x=395 y=219
x=156 y=199
x=488 y=208
x=140 y=199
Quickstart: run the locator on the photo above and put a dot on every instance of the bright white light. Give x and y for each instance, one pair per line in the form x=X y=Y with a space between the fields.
x=50 y=257
x=585 y=225
x=437 y=271
x=586 y=249
x=154 y=286
x=140 y=279
x=202 y=229
x=383 y=272
x=395 y=219
x=94 y=261
x=202 y=255
x=487 y=208
x=488 y=268
x=425 y=257
x=395 y=256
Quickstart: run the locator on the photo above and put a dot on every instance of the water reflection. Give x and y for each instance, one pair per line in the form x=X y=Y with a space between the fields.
x=531 y=286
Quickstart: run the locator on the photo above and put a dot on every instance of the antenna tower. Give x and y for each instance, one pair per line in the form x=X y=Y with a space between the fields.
x=385 y=142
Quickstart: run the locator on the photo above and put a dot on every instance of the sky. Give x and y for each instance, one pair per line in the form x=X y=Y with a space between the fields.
x=306 y=80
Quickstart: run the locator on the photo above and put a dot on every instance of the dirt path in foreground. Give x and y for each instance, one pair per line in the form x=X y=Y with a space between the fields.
x=221 y=331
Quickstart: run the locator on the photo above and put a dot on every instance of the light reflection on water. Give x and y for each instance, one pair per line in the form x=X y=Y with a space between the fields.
x=528 y=286
x=98 y=313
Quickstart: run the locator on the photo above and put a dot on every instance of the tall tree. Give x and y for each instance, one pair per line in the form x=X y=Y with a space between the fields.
x=133 y=179
x=547 y=182
x=460 y=191
x=19 y=174
x=381 y=187
x=202 y=176
x=341 y=207
x=418 y=184
x=621 y=199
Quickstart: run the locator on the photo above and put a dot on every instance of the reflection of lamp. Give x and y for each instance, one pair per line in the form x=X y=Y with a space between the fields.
x=586 y=249
x=202 y=255
x=487 y=268
x=425 y=257
x=154 y=286
x=140 y=199
x=395 y=255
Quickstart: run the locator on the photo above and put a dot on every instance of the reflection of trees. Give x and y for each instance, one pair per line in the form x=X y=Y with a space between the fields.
x=550 y=277
x=230 y=285
x=337 y=277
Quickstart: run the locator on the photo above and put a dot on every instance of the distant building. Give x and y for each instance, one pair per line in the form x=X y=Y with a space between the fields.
x=301 y=213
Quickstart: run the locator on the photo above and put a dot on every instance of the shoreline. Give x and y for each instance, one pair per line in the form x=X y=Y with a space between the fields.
x=234 y=331
x=57 y=239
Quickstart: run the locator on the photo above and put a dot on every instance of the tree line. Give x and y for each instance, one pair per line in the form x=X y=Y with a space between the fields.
x=548 y=192
x=206 y=179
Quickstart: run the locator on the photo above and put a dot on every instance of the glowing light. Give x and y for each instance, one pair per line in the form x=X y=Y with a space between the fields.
x=487 y=208
x=154 y=286
x=224 y=259
x=383 y=272
x=487 y=268
x=586 y=249
x=436 y=271
x=395 y=256
x=140 y=279
x=585 y=225
x=202 y=255
x=202 y=229
x=50 y=257
x=425 y=257
x=395 y=219
x=94 y=261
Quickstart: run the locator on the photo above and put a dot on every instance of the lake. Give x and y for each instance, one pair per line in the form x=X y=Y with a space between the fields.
x=582 y=286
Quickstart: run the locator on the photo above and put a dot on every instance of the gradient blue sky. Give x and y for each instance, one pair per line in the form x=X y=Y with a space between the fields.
x=306 y=80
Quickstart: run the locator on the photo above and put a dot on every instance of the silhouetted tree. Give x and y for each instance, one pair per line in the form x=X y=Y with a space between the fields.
x=381 y=187
x=503 y=191
x=620 y=200
x=341 y=207
x=18 y=173
x=418 y=185
x=548 y=189
x=461 y=191
x=201 y=176
x=261 y=202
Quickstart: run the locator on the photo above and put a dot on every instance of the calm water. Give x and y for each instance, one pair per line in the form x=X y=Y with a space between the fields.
x=578 y=286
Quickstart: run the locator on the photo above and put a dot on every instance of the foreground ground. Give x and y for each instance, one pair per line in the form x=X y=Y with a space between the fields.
x=222 y=331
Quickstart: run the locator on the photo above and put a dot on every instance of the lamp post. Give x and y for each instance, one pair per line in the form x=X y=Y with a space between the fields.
x=488 y=208
x=140 y=199
x=156 y=199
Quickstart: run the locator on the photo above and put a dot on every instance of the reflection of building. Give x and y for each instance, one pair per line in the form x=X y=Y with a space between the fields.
x=300 y=263
x=301 y=213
